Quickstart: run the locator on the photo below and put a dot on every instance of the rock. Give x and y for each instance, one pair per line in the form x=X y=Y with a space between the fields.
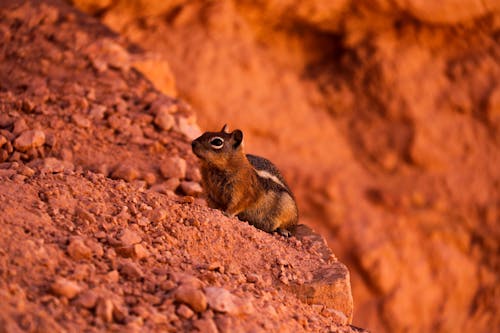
x=164 y=119
x=87 y=299
x=29 y=139
x=253 y=278
x=84 y=215
x=118 y=122
x=193 y=174
x=104 y=309
x=158 y=215
x=65 y=288
x=188 y=127
x=184 y=312
x=129 y=237
x=149 y=178
x=187 y=280
x=193 y=297
x=329 y=284
x=448 y=11
x=20 y=126
x=81 y=121
x=172 y=184
x=126 y=172
x=92 y=6
x=167 y=285
x=54 y=165
x=191 y=188
x=131 y=270
x=140 y=252
x=26 y=171
x=221 y=300
x=206 y=325
x=97 y=111
x=78 y=250
x=173 y=167
x=3 y=140
x=113 y=276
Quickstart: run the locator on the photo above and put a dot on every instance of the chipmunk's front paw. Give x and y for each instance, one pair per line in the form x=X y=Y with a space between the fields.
x=284 y=232
x=228 y=214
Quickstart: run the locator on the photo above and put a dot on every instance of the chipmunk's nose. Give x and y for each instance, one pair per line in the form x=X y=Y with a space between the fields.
x=194 y=144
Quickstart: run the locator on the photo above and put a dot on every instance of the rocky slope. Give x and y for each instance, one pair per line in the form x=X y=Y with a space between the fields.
x=384 y=115
x=101 y=230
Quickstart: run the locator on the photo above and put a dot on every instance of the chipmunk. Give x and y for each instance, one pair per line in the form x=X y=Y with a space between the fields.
x=243 y=185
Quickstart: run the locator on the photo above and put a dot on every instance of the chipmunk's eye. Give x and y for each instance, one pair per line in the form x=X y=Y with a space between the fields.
x=217 y=143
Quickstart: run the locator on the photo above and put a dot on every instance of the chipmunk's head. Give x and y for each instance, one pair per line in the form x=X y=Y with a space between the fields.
x=219 y=148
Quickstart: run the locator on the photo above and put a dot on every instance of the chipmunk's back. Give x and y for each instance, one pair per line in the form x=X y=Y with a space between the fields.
x=267 y=170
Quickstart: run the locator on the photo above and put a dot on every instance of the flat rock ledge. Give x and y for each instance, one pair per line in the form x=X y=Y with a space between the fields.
x=330 y=285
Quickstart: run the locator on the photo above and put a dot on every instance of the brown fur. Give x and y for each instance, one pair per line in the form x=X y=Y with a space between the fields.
x=233 y=185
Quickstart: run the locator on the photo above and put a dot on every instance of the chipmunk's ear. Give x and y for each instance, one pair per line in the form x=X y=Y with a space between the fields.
x=225 y=129
x=237 y=137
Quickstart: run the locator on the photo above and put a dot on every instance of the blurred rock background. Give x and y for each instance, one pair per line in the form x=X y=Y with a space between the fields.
x=383 y=115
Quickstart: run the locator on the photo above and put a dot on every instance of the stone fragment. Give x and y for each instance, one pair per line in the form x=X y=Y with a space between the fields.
x=6 y=120
x=131 y=270
x=78 y=250
x=104 y=309
x=112 y=276
x=84 y=215
x=20 y=126
x=187 y=279
x=97 y=111
x=191 y=188
x=118 y=122
x=3 y=140
x=193 y=174
x=149 y=178
x=126 y=172
x=173 y=167
x=29 y=139
x=158 y=214
x=87 y=299
x=129 y=237
x=188 y=127
x=221 y=300
x=193 y=297
x=26 y=171
x=93 y=6
x=164 y=119
x=140 y=252
x=184 y=312
x=253 y=278
x=81 y=121
x=172 y=184
x=54 y=165
x=206 y=325
x=65 y=288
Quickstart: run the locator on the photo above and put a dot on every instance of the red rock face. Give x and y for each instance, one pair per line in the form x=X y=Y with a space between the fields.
x=384 y=116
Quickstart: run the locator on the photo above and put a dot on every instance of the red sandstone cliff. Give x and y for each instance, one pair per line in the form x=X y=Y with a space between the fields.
x=384 y=115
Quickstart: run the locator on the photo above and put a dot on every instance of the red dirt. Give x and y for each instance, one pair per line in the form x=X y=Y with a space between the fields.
x=97 y=231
